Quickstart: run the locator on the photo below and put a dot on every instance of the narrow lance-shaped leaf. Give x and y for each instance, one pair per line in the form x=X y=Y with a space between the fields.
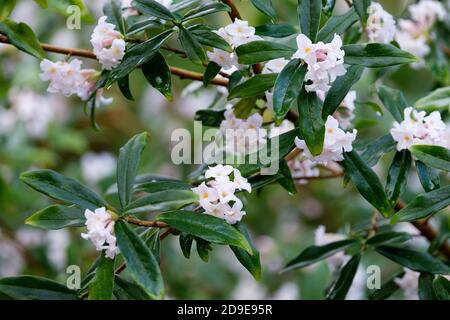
x=314 y=254
x=186 y=244
x=141 y=264
x=57 y=217
x=361 y=7
x=438 y=100
x=206 y=227
x=376 y=55
x=367 y=182
x=414 y=260
x=256 y=85
x=205 y=10
x=426 y=291
x=387 y=289
x=157 y=73
x=429 y=177
x=250 y=262
x=62 y=188
x=397 y=175
x=345 y=280
x=312 y=126
x=337 y=25
x=162 y=201
x=262 y=51
x=280 y=30
x=212 y=70
x=394 y=101
x=424 y=205
x=375 y=149
x=434 y=156
x=127 y=167
x=287 y=87
x=113 y=11
x=388 y=237
x=153 y=8
x=266 y=7
x=309 y=15
x=124 y=86
x=441 y=288
x=22 y=37
x=192 y=47
x=205 y=35
x=6 y=7
x=102 y=285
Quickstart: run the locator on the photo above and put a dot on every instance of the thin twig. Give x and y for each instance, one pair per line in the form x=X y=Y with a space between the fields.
x=234 y=12
x=148 y=224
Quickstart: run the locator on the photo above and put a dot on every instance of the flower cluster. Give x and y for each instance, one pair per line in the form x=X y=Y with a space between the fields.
x=236 y=34
x=413 y=34
x=325 y=61
x=242 y=136
x=69 y=79
x=380 y=24
x=217 y=196
x=100 y=226
x=336 y=142
x=109 y=45
x=418 y=128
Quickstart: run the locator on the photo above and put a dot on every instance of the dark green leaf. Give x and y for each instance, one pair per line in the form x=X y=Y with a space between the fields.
x=6 y=7
x=397 y=175
x=426 y=286
x=424 y=205
x=388 y=237
x=125 y=290
x=145 y=25
x=367 y=182
x=204 y=10
x=102 y=285
x=192 y=47
x=57 y=217
x=186 y=244
x=312 y=126
x=309 y=15
x=262 y=51
x=433 y=156
x=414 y=260
x=62 y=188
x=314 y=254
x=361 y=7
x=394 y=101
x=153 y=241
x=206 y=36
x=387 y=289
x=345 y=280
x=250 y=262
x=438 y=100
x=113 y=10
x=256 y=85
x=337 y=25
x=154 y=9
x=212 y=70
x=375 y=149
x=210 y=118
x=266 y=7
x=141 y=264
x=281 y=30
x=287 y=88
x=157 y=73
x=22 y=37
x=162 y=201
x=127 y=167
x=207 y=227
x=203 y=249
x=376 y=55
x=441 y=288
x=124 y=86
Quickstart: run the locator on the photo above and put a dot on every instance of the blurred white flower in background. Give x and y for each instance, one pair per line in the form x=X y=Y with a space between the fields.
x=409 y=283
x=11 y=261
x=321 y=238
x=380 y=24
x=57 y=243
x=358 y=288
x=97 y=166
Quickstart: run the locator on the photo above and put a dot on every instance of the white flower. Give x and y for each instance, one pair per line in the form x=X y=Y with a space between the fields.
x=336 y=142
x=303 y=168
x=325 y=61
x=322 y=238
x=108 y=44
x=100 y=226
x=225 y=189
x=380 y=24
x=206 y=193
x=224 y=59
x=97 y=166
x=409 y=283
x=64 y=77
x=417 y=128
x=234 y=214
x=284 y=127
x=127 y=9
x=275 y=66
x=219 y=171
x=415 y=44
x=426 y=13
x=240 y=182
x=345 y=113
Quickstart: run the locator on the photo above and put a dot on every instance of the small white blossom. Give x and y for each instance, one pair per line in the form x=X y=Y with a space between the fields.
x=426 y=13
x=336 y=142
x=303 y=168
x=275 y=66
x=100 y=226
x=322 y=238
x=417 y=128
x=234 y=214
x=380 y=24
x=206 y=193
x=108 y=44
x=64 y=77
x=226 y=60
x=219 y=171
x=409 y=283
x=97 y=166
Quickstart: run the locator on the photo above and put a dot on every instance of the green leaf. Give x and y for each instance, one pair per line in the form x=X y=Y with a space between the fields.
x=102 y=285
x=266 y=7
x=207 y=227
x=35 y=288
x=138 y=55
x=141 y=263
x=210 y=118
x=256 y=85
x=157 y=73
x=441 y=288
x=162 y=201
x=375 y=149
x=192 y=47
x=434 y=156
x=262 y=51
x=113 y=10
x=361 y=7
x=57 y=217
x=367 y=182
x=154 y=9
x=281 y=30
x=337 y=25
x=250 y=262
x=312 y=126
x=345 y=280
x=339 y=90
x=153 y=241
x=394 y=101
x=186 y=244
x=206 y=36
x=124 y=86
x=204 y=10
x=424 y=205
x=287 y=88
x=388 y=237
x=6 y=7
x=376 y=55
x=125 y=290
x=144 y=25
x=429 y=177
x=387 y=289
x=203 y=249
x=414 y=260
x=41 y=3
x=212 y=70
x=437 y=63
x=62 y=188
x=438 y=100
x=309 y=15
x=127 y=167
x=426 y=286
x=22 y=37
x=314 y=254
x=397 y=175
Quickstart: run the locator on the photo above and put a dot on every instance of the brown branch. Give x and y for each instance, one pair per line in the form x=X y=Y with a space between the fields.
x=182 y=73
x=148 y=224
x=234 y=13
x=349 y=3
